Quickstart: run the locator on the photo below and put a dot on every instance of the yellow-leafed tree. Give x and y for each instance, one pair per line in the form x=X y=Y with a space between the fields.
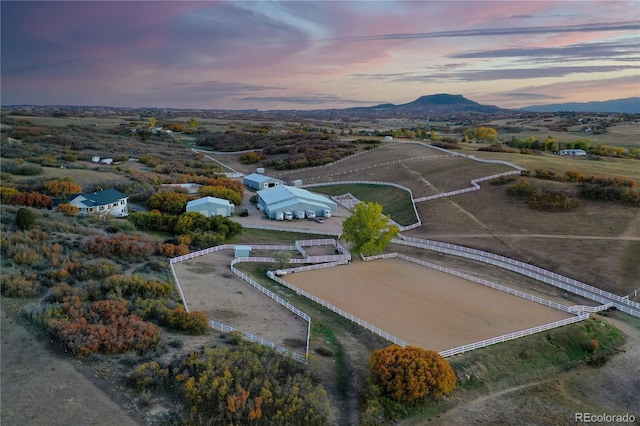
x=411 y=373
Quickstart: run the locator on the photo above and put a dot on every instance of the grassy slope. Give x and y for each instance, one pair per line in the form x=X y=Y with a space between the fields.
x=395 y=202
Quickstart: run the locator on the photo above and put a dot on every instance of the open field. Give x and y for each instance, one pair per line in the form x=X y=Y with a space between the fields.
x=421 y=306
x=92 y=175
x=603 y=166
x=619 y=134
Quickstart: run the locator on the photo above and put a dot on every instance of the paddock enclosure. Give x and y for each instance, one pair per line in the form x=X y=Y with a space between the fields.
x=421 y=306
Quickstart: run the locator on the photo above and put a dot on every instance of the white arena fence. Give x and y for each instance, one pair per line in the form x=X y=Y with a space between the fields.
x=540 y=274
x=329 y=260
x=513 y=336
x=253 y=338
x=474 y=187
x=338 y=311
x=579 y=316
x=299 y=231
x=474 y=279
x=377 y=165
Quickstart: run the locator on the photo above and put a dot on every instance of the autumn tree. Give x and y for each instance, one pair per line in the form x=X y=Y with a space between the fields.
x=62 y=188
x=486 y=134
x=169 y=202
x=367 y=229
x=68 y=209
x=193 y=123
x=411 y=373
x=221 y=192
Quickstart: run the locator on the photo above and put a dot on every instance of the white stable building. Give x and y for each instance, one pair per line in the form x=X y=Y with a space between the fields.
x=274 y=202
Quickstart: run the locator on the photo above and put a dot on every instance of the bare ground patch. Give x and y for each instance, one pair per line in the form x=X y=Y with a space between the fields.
x=209 y=286
x=422 y=306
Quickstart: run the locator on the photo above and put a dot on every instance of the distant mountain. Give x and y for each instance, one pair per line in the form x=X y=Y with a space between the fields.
x=625 y=106
x=434 y=105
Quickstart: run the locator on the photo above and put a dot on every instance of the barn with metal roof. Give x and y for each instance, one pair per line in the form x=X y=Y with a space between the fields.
x=284 y=198
x=211 y=206
x=260 y=181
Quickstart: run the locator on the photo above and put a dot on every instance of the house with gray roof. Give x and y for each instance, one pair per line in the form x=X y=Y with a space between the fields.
x=101 y=203
x=281 y=199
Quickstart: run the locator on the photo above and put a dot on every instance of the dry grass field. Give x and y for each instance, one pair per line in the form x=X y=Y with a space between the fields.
x=421 y=306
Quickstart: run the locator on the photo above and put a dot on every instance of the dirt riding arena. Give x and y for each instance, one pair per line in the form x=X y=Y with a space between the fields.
x=422 y=306
x=209 y=286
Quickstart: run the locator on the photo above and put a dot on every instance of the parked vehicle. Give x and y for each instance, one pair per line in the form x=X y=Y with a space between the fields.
x=310 y=214
x=244 y=213
x=326 y=212
x=300 y=214
x=288 y=216
x=318 y=220
x=279 y=216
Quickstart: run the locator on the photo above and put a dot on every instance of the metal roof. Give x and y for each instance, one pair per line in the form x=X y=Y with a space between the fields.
x=280 y=194
x=260 y=178
x=100 y=198
x=208 y=200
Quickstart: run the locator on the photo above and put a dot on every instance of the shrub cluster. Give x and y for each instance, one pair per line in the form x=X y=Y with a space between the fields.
x=543 y=199
x=446 y=145
x=105 y=326
x=28 y=199
x=401 y=378
x=192 y=228
x=164 y=312
x=503 y=180
x=603 y=188
x=495 y=148
x=246 y=384
x=23 y=284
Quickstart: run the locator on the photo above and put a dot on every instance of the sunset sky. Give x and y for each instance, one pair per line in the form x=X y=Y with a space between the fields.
x=317 y=54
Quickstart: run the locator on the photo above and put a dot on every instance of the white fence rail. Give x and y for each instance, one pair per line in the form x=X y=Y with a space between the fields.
x=256 y=339
x=474 y=187
x=474 y=279
x=512 y=336
x=299 y=231
x=565 y=283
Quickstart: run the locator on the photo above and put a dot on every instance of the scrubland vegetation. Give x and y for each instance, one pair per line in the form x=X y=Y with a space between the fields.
x=101 y=287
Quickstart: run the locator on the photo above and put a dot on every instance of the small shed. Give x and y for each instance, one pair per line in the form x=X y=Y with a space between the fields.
x=297 y=183
x=242 y=251
x=259 y=181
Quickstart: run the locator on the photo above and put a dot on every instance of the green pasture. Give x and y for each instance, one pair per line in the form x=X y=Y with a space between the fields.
x=395 y=202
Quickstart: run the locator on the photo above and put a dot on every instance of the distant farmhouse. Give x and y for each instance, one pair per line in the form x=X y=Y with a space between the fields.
x=211 y=206
x=276 y=201
x=259 y=181
x=102 y=203
x=573 y=152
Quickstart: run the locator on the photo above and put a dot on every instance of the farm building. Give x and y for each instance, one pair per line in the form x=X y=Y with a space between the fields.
x=259 y=181
x=574 y=152
x=280 y=199
x=211 y=206
x=101 y=203
x=242 y=251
